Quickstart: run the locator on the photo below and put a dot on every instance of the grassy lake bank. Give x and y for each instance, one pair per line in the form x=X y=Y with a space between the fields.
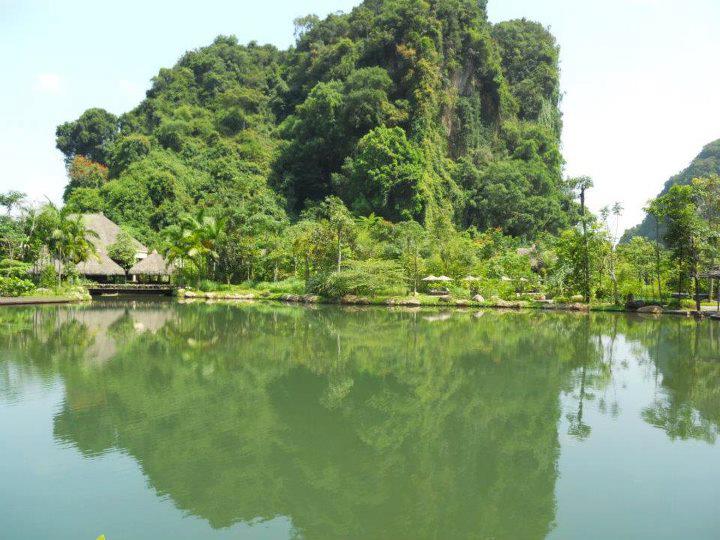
x=419 y=300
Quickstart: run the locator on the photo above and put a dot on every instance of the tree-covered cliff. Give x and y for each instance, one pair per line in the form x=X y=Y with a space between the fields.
x=405 y=108
x=706 y=164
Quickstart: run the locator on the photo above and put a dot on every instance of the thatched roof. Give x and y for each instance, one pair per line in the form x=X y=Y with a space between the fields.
x=714 y=273
x=100 y=265
x=152 y=265
x=437 y=278
x=96 y=265
x=107 y=232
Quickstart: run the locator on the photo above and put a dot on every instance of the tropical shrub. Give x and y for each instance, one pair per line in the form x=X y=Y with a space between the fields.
x=682 y=303
x=369 y=277
x=286 y=286
x=12 y=268
x=13 y=286
x=489 y=287
x=123 y=250
x=208 y=285
x=48 y=277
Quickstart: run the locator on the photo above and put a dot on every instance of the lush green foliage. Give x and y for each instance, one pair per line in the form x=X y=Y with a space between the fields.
x=12 y=268
x=689 y=216
x=89 y=136
x=15 y=286
x=38 y=236
x=192 y=245
x=706 y=164
x=369 y=277
x=68 y=241
x=408 y=110
x=123 y=250
x=398 y=140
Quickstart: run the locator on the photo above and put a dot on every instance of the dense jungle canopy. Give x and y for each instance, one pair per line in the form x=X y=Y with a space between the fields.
x=408 y=109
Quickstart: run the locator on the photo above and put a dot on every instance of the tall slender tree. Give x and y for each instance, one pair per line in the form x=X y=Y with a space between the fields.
x=582 y=184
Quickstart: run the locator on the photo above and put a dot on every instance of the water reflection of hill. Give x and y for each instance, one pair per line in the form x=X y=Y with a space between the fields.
x=364 y=424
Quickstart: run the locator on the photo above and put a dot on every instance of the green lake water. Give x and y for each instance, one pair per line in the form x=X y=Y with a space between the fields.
x=148 y=420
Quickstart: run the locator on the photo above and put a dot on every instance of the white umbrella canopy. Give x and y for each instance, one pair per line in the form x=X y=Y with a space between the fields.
x=430 y=278
x=471 y=278
x=444 y=278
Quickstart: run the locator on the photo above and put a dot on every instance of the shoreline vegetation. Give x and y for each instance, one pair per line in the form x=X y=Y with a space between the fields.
x=79 y=294
x=397 y=149
x=62 y=295
x=424 y=301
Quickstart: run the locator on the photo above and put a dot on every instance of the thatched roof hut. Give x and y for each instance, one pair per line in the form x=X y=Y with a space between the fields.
x=107 y=233
x=100 y=265
x=97 y=265
x=432 y=278
x=152 y=265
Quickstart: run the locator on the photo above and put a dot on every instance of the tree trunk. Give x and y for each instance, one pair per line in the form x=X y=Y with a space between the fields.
x=586 y=261
x=681 y=273
x=339 y=251
x=695 y=276
x=657 y=259
x=415 y=275
x=613 y=277
x=61 y=267
x=712 y=282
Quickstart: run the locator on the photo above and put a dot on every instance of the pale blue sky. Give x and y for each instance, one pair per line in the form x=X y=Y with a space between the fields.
x=640 y=77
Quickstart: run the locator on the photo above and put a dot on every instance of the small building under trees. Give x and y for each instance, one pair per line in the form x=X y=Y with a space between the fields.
x=109 y=234
x=115 y=252
x=152 y=269
x=100 y=268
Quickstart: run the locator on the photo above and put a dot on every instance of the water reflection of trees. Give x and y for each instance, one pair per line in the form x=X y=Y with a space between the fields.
x=687 y=355
x=368 y=424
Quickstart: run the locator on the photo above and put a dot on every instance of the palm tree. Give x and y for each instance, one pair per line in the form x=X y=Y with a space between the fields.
x=195 y=240
x=10 y=200
x=69 y=240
